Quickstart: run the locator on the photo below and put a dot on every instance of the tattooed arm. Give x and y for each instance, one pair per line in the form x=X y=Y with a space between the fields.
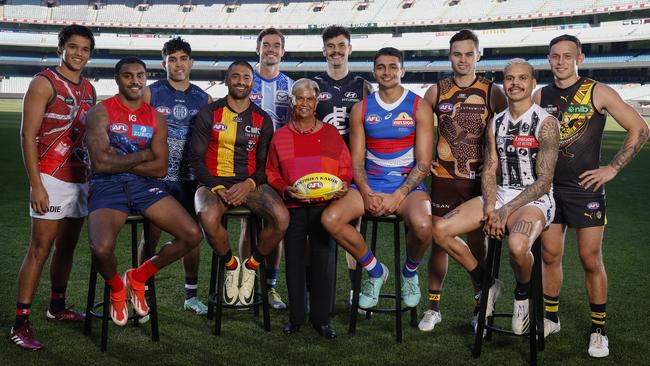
x=549 y=144
x=158 y=166
x=637 y=134
x=103 y=157
x=489 y=183
x=431 y=97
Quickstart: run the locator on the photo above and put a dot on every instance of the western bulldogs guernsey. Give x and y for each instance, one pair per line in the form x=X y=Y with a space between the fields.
x=179 y=108
x=129 y=131
x=273 y=97
x=61 y=148
x=390 y=140
x=517 y=146
x=336 y=99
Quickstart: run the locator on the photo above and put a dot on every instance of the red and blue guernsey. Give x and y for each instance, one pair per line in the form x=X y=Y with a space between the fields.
x=129 y=131
x=390 y=140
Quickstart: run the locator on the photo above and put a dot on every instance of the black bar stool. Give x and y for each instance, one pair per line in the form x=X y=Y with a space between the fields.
x=397 y=295
x=92 y=307
x=536 y=309
x=261 y=296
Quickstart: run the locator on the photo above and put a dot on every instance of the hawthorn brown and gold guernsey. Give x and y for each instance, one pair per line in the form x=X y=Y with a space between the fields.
x=581 y=131
x=229 y=147
x=462 y=114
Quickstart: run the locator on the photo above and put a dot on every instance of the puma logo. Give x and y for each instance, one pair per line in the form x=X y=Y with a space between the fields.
x=564 y=98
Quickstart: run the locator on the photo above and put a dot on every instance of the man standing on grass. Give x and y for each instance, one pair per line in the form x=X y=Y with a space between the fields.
x=179 y=101
x=52 y=133
x=581 y=105
x=464 y=103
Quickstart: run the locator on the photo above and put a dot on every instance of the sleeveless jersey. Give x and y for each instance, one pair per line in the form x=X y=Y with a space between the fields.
x=390 y=140
x=336 y=100
x=179 y=108
x=517 y=146
x=581 y=131
x=462 y=115
x=273 y=97
x=61 y=147
x=129 y=131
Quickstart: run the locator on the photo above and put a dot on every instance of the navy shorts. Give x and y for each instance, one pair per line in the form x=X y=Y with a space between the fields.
x=183 y=191
x=131 y=197
x=578 y=210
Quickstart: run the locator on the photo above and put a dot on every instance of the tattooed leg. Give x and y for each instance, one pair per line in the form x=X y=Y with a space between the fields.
x=210 y=209
x=524 y=226
x=266 y=203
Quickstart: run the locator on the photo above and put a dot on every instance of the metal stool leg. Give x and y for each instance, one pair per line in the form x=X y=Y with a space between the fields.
x=485 y=286
x=356 y=286
x=398 y=283
x=256 y=224
x=218 y=297
x=213 y=282
x=90 y=301
x=105 y=318
x=151 y=284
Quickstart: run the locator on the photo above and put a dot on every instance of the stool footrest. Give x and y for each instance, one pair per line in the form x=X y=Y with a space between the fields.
x=99 y=315
x=258 y=301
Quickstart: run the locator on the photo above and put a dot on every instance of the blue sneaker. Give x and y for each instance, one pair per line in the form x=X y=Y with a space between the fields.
x=371 y=288
x=195 y=305
x=410 y=291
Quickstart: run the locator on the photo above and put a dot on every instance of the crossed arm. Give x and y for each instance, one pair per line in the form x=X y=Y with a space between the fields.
x=104 y=159
x=549 y=143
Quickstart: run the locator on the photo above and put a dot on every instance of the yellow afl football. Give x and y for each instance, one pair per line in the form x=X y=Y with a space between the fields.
x=318 y=186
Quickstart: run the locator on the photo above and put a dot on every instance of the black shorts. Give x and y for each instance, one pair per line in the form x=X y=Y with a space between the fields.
x=183 y=191
x=579 y=209
x=447 y=194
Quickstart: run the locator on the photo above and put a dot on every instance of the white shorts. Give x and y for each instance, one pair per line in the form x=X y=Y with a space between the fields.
x=545 y=203
x=66 y=199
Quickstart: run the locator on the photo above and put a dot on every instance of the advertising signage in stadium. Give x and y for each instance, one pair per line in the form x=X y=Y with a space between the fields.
x=349 y=25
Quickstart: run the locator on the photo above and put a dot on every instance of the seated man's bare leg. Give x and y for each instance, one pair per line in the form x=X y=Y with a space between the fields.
x=266 y=203
x=209 y=210
x=524 y=226
x=463 y=219
x=104 y=224
x=337 y=219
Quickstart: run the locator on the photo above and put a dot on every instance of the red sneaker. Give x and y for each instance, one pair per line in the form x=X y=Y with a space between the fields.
x=118 y=309
x=136 y=292
x=25 y=338
x=66 y=315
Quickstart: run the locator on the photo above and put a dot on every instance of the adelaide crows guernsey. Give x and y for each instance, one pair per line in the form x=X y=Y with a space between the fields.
x=129 y=131
x=273 y=97
x=390 y=140
x=61 y=148
x=179 y=108
x=462 y=115
x=581 y=131
x=517 y=143
x=336 y=100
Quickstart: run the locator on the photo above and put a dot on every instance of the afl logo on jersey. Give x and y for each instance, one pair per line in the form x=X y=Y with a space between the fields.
x=119 y=127
x=446 y=107
x=373 y=118
x=324 y=96
x=219 y=127
x=164 y=110
x=255 y=97
x=180 y=111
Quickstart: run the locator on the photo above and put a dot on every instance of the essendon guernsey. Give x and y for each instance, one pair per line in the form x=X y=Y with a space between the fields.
x=61 y=148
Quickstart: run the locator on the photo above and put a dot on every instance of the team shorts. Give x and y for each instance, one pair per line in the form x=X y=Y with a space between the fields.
x=132 y=196
x=545 y=203
x=419 y=187
x=579 y=209
x=447 y=194
x=66 y=199
x=183 y=191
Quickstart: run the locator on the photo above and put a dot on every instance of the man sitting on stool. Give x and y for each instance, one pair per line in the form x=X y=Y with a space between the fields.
x=525 y=139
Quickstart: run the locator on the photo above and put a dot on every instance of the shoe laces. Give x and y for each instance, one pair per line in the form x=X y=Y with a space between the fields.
x=599 y=340
x=367 y=288
x=428 y=315
x=410 y=286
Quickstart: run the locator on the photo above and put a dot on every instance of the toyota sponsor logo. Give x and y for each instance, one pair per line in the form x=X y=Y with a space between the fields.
x=119 y=127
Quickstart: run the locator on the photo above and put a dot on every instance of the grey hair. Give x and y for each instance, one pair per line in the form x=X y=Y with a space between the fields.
x=519 y=61
x=305 y=83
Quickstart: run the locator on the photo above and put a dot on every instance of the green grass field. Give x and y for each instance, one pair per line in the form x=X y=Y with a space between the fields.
x=186 y=339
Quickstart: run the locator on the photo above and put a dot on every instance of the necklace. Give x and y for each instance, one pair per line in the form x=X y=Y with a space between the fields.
x=304 y=132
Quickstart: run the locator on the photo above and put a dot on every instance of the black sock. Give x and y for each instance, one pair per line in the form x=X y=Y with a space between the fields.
x=598 y=315
x=522 y=291
x=190 y=287
x=22 y=314
x=551 y=307
x=434 y=300
x=57 y=299
x=477 y=275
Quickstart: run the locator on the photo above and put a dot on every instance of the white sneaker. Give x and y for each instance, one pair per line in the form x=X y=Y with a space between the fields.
x=495 y=291
x=231 y=284
x=598 y=345
x=520 y=318
x=551 y=327
x=275 y=300
x=429 y=320
x=247 y=285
